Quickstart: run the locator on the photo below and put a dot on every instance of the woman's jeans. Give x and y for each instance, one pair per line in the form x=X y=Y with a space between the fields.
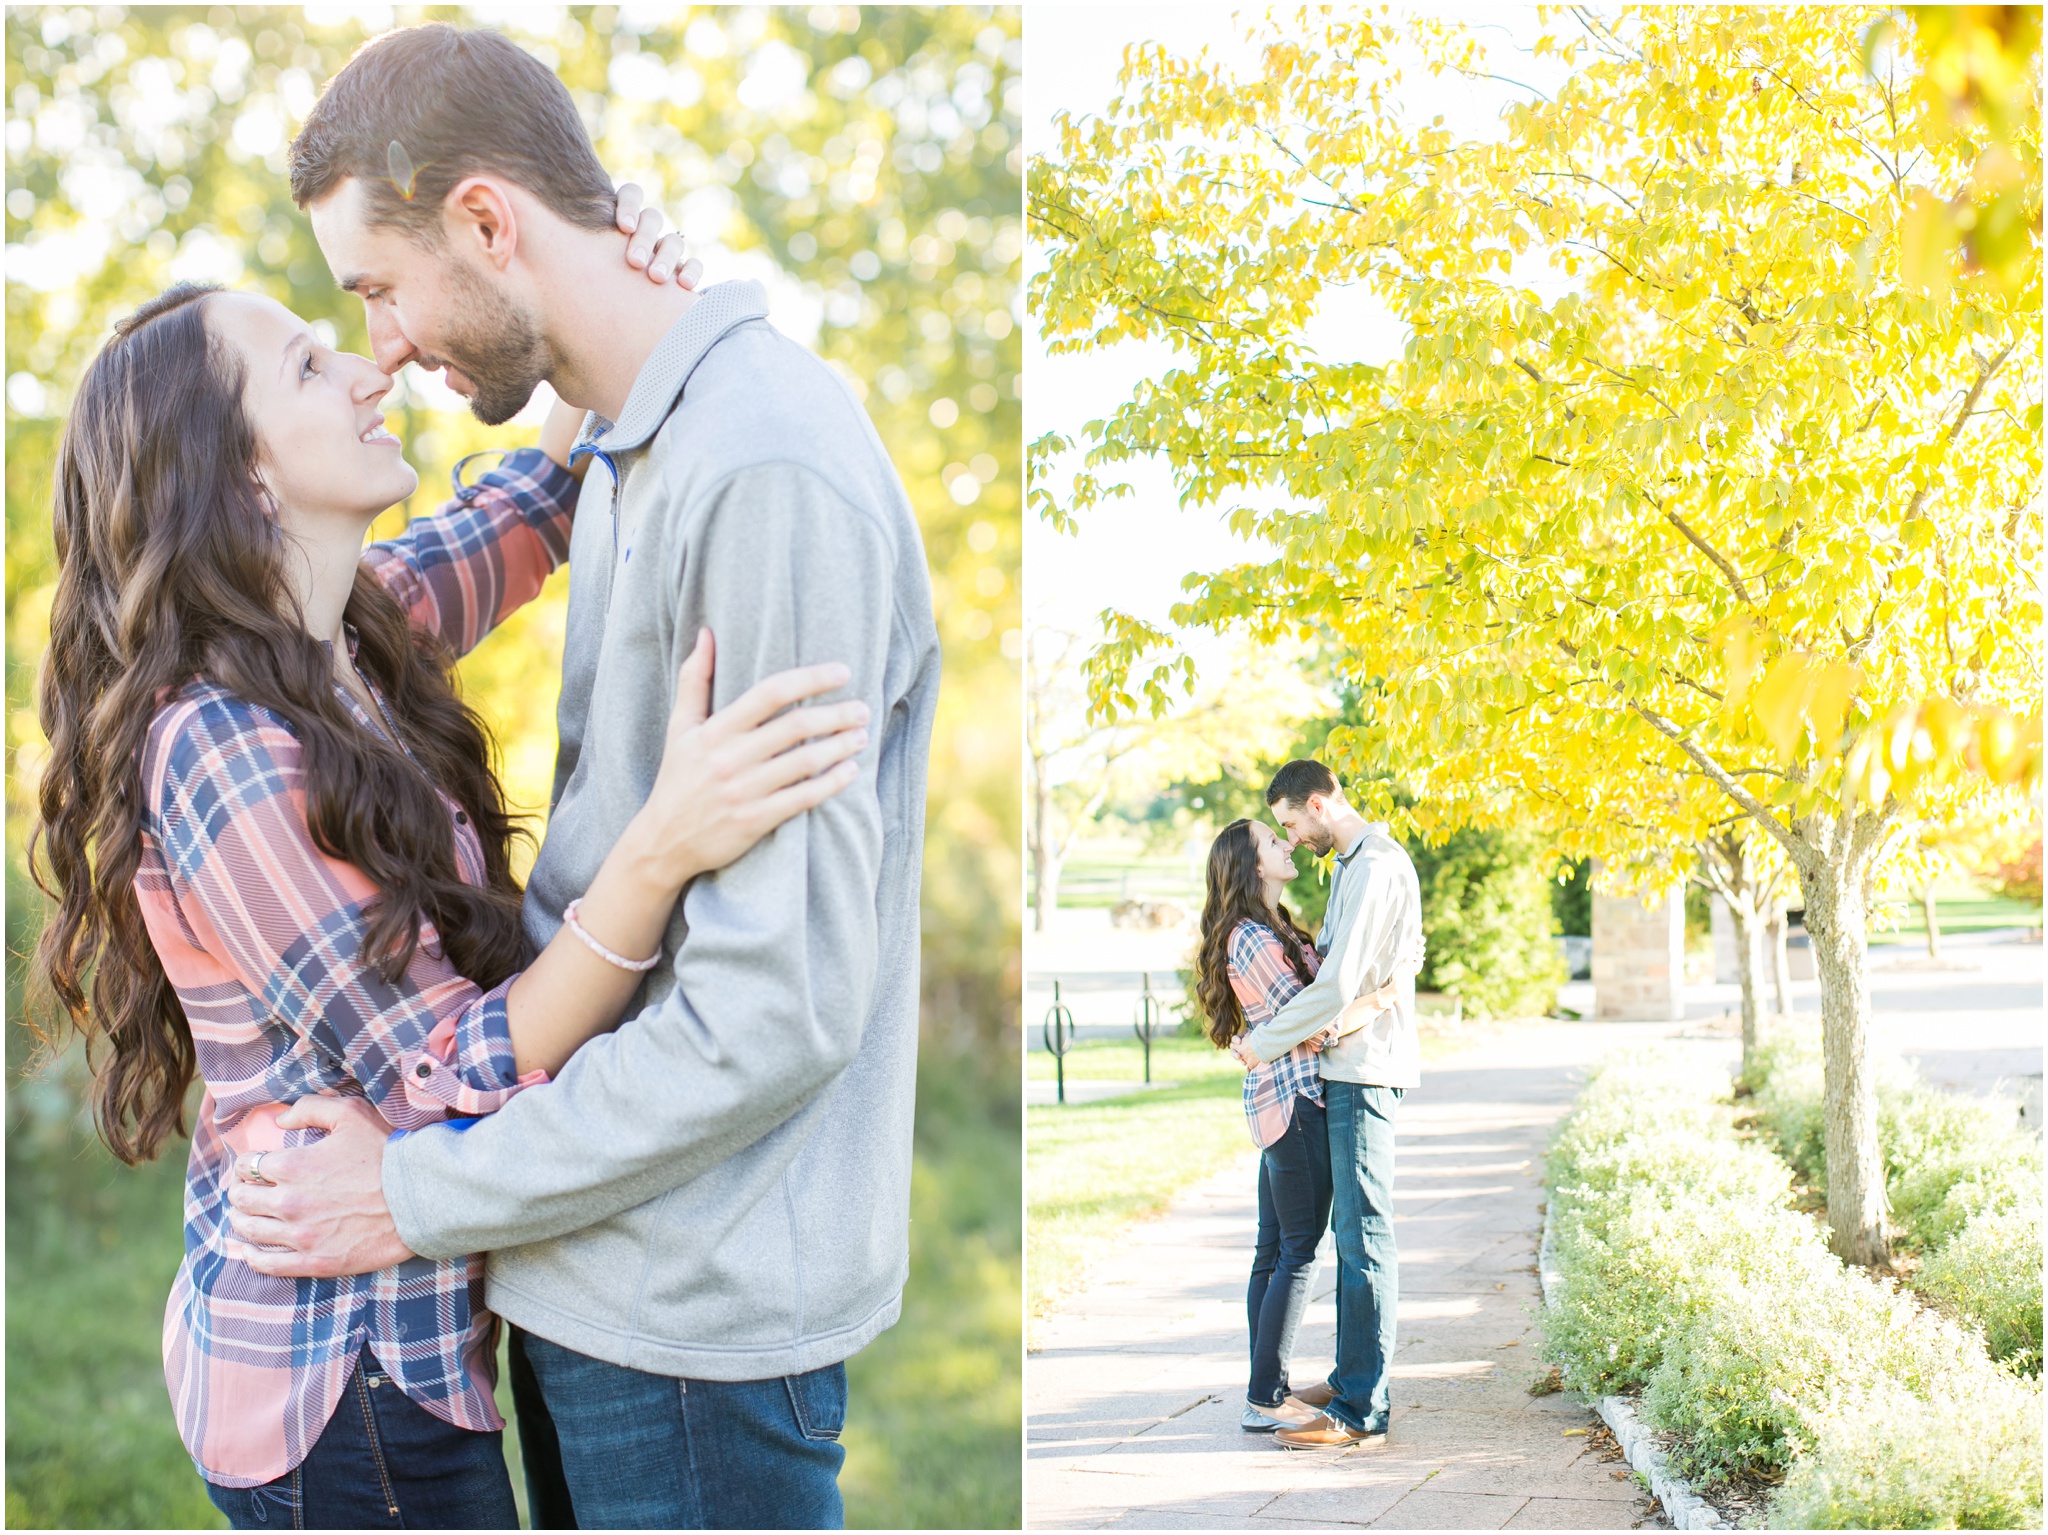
x=1294 y=1212
x=382 y=1463
x=611 y=1448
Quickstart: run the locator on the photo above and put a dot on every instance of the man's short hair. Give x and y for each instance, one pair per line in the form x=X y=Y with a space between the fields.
x=1300 y=778
x=458 y=102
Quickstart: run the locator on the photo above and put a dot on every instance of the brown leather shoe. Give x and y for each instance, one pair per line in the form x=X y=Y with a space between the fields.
x=1326 y=1433
x=1317 y=1396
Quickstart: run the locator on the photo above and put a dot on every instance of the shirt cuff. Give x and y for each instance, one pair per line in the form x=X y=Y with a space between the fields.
x=526 y=470
x=465 y=1066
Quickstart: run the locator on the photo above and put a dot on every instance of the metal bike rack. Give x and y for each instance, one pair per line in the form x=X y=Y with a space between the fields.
x=1150 y=1011
x=1059 y=1036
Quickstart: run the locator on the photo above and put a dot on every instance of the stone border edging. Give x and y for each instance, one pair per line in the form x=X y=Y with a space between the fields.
x=1686 y=1509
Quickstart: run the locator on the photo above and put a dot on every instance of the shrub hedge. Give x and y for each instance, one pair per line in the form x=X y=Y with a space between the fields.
x=1888 y=1459
x=1963 y=1181
x=1686 y=1274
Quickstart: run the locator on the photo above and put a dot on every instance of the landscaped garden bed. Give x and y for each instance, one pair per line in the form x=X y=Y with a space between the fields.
x=1689 y=1277
x=1964 y=1184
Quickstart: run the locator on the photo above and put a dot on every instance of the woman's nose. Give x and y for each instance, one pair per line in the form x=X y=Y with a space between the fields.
x=372 y=382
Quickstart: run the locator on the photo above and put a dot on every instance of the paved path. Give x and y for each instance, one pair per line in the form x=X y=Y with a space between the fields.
x=1134 y=1396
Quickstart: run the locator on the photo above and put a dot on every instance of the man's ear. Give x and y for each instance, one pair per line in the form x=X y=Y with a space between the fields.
x=479 y=216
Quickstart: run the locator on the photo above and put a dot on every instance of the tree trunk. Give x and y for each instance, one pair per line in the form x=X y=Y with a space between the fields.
x=1731 y=874
x=1928 y=902
x=1045 y=860
x=1836 y=898
x=1775 y=937
x=1749 y=962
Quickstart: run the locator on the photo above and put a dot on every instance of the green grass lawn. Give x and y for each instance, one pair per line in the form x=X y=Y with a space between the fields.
x=936 y=1407
x=1972 y=915
x=935 y=1429
x=1180 y=1057
x=91 y=1250
x=1097 y=1167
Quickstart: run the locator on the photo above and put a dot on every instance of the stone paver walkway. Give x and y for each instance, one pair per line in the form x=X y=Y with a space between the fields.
x=1133 y=1399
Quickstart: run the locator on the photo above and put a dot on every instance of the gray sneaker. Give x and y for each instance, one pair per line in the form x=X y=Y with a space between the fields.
x=1264 y=1420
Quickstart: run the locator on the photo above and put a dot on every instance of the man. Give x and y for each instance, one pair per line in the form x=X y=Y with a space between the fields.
x=1372 y=934
x=706 y=1213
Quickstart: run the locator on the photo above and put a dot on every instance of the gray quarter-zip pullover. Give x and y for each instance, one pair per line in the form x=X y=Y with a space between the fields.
x=720 y=1188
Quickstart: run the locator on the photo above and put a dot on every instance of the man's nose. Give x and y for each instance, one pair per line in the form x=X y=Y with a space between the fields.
x=388 y=344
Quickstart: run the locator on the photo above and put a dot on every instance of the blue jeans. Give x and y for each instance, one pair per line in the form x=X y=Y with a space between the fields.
x=382 y=1463
x=1361 y=1121
x=1294 y=1212
x=608 y=1448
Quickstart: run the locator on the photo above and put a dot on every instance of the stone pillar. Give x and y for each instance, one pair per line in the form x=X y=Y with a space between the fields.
x=1638 y=957
x=1727 y=952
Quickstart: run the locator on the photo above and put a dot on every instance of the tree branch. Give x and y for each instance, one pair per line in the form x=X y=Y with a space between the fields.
x=1795 y=848
x=1720 y=560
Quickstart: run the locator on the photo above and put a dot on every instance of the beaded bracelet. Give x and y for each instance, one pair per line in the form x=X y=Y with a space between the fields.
x=636 y=965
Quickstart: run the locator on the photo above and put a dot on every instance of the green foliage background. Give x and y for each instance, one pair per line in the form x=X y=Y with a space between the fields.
x=868 y=160
x=1486 y=914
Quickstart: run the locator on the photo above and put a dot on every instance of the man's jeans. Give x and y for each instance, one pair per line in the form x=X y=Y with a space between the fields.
x=608 y=1448
x=382 y=1462
x=1361 y=1121
x=1294 y=1212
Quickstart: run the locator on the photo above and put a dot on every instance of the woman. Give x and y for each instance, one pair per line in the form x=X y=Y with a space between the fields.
x=282 y=863
x=1252 y=961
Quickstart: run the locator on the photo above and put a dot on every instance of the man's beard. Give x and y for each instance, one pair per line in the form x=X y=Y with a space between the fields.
x=1319 y=839
x=496 y=345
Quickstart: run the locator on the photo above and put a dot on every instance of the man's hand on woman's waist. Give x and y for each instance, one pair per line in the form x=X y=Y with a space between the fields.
x=319 y=1210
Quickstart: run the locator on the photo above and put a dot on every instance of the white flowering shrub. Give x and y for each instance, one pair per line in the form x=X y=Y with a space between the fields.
x=1990 y=1275
x=1639 y=1271
x=1950 y=1159
x=1653 y=1197
x=1965 y=1456
x=1759 y=1364
x=1953 y=1165
x=1685 y=1273
x=1784 y=1075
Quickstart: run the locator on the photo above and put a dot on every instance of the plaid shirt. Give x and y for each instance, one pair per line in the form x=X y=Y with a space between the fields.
x=1264 y=982
x=261 y=935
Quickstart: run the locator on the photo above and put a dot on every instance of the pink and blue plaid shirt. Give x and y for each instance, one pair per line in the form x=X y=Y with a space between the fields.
x=261 y=934
x=1264 y=983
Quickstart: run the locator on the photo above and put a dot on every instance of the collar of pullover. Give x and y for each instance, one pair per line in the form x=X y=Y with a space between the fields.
x=1351 y=852
x=668 y=368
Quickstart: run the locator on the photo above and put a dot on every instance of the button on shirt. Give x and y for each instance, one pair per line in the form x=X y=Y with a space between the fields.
x=261 y=934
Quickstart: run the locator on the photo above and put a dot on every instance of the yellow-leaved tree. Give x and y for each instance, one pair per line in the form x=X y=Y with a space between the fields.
x=1677 y=503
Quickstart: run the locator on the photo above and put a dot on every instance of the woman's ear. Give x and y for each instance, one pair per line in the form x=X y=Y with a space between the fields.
x=266 y=485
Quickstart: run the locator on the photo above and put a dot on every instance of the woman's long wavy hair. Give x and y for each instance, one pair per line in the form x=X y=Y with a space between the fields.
x=171 y=567
x=1236 y=894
